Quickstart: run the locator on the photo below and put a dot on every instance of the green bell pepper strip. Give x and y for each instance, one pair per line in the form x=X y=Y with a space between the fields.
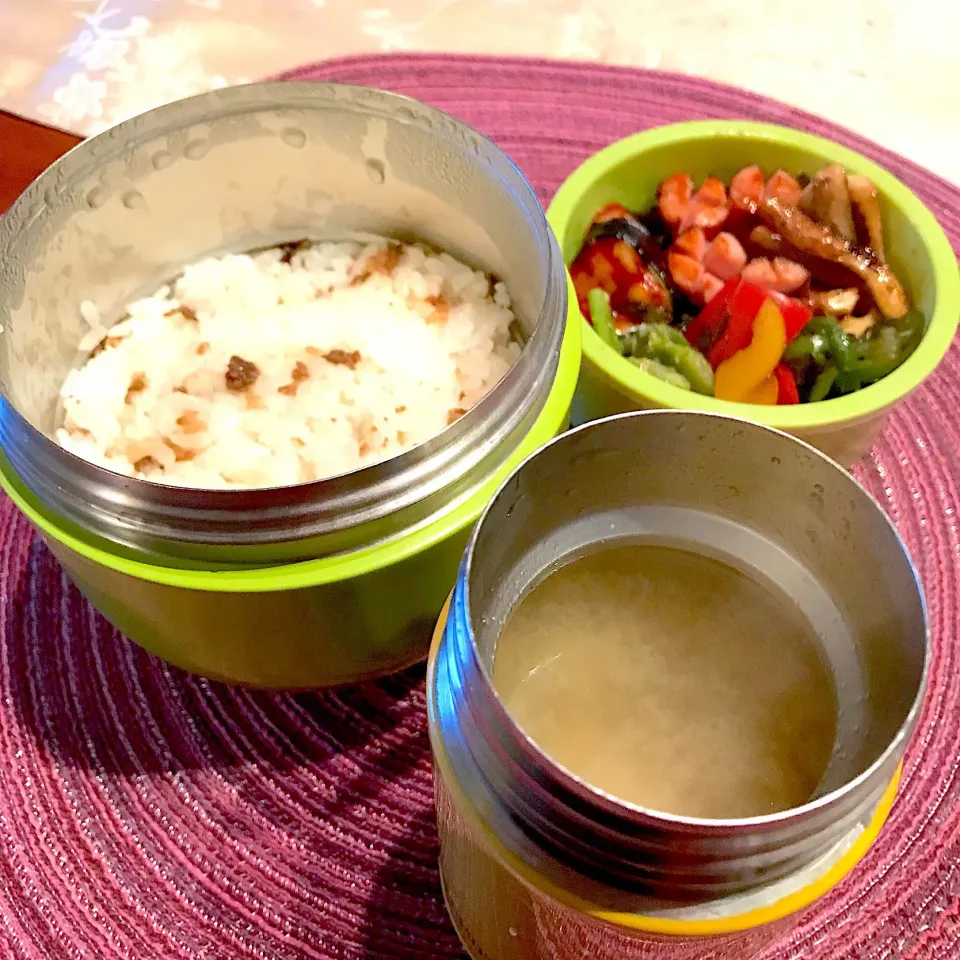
x=821 y=386
x=808 y=346
x=661 y=371
x=695 y=367
x=855 y=363
x=837 y=341
x=669 y=348
x=601 y=316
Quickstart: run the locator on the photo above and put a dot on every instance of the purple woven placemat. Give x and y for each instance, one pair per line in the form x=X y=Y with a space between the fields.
x=148 y=814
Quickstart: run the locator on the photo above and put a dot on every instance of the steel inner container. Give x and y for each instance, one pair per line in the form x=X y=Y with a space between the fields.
x=235 y=170
x=538 y=863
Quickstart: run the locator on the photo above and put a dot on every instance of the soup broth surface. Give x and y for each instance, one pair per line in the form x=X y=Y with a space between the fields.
x=672 y=681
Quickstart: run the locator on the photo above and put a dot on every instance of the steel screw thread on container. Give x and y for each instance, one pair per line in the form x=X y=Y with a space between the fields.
x=556 y=854
x=299 y=155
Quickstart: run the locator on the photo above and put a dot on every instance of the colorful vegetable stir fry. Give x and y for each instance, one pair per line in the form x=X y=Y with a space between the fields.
x=768 y=290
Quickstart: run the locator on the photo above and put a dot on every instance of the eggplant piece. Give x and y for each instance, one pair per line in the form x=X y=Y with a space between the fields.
x=658 y=228
x=615 y=265
x=634 y=233
x=766 y=239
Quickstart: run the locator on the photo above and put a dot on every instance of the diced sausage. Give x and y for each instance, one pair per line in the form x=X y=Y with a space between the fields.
x=780 y=274
x=692 y=242
x=783 y=187
x=746 y=188
x=708 y=207
x=725 y=257
x=674 y=196
x=686 y=272
x=712 y=285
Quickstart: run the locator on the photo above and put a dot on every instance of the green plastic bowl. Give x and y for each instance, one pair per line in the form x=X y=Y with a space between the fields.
x=630 y=170
x=306 y=625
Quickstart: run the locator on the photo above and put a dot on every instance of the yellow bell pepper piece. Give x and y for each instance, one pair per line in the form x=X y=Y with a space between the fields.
x=740 y=375
x=765 y=394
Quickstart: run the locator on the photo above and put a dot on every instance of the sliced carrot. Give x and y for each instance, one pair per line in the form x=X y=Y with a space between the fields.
x=791 y=275
x=760 y=271
x=686 y=272
x=611 y=211
x=725 y=257
x=674 y=196
x=784 y=187
x=712 y=285
x=746 y=188
x=692 y=242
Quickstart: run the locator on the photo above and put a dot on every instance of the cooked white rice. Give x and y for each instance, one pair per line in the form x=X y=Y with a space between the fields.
x=271 y=369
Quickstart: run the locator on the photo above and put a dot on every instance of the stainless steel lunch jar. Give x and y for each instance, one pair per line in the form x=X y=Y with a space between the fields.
x=302 y=586
x=537 y=863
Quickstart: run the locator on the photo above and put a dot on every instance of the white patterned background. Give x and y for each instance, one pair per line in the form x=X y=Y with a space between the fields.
x=888 y=68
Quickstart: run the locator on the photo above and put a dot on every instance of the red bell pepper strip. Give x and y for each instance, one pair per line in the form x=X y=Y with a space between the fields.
x=747 y=376
x=705 y=327
x=744 y=306
x=786 y=385
x=796 y=315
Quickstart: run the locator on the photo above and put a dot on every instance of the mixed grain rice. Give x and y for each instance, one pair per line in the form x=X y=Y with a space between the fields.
x=287 y=365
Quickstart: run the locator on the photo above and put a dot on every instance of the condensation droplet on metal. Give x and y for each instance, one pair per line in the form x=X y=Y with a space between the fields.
x=97 y=197
x=133 y=200
x=293 y=137
x=376 y=171
x=196 y=149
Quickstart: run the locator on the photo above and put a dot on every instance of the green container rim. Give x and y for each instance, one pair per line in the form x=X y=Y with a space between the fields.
x=873 y=400
x=344 y=566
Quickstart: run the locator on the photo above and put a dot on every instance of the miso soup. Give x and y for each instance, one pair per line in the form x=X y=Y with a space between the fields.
x=671 y=680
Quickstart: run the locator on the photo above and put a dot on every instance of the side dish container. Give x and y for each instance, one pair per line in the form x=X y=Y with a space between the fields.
x=629 y=172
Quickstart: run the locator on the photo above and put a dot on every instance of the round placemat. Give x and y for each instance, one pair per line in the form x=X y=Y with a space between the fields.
x=149 y=814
